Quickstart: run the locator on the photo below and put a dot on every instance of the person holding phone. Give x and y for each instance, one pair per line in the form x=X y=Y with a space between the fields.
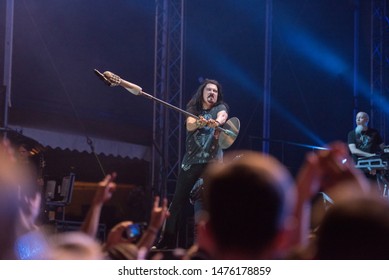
x=127 y=240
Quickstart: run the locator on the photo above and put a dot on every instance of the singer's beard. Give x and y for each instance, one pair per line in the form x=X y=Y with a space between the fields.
x=211 y=99
x=358 y=129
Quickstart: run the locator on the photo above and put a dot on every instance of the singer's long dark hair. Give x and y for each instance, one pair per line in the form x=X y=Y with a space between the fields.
x=195 y=104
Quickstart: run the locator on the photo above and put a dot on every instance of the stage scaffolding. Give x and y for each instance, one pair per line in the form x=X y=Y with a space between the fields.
x=5 y=90
x=379 y=66
x=168 y=83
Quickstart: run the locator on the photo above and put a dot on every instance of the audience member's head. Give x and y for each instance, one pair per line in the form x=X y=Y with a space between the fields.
x=13 y=183
x=123 y=251
x=8 y=218
x=75 y=245
x=355 y=229
x=249 y=200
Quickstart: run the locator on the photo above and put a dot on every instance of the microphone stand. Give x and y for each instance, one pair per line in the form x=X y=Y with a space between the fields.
x=92 y=147
x=138 y=91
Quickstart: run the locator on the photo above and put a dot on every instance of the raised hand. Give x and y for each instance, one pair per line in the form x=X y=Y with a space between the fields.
x=105 y=189
x=158 y=214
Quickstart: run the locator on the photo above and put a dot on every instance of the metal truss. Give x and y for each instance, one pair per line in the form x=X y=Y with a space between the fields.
x=379 y=67
x=168 y=84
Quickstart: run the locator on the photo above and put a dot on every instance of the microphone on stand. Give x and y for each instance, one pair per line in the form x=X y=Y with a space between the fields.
x=115 y=80
x=101 y=77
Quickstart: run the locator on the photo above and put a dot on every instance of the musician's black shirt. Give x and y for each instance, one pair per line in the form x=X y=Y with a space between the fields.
x=202 y=145
x=367 y=141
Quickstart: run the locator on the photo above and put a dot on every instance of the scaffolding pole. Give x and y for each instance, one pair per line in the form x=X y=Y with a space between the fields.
x=8 y=47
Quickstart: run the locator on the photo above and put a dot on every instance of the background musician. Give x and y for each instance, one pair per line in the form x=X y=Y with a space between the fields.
x=364 y=141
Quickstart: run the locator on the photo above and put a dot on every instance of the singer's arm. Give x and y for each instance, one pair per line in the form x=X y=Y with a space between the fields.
x=193 y=124
x=221 y=117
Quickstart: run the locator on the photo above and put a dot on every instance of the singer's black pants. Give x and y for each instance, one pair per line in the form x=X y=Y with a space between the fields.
x=178 y=216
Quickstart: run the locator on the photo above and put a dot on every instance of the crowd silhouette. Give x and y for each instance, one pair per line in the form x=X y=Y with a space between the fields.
x=253 y=209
